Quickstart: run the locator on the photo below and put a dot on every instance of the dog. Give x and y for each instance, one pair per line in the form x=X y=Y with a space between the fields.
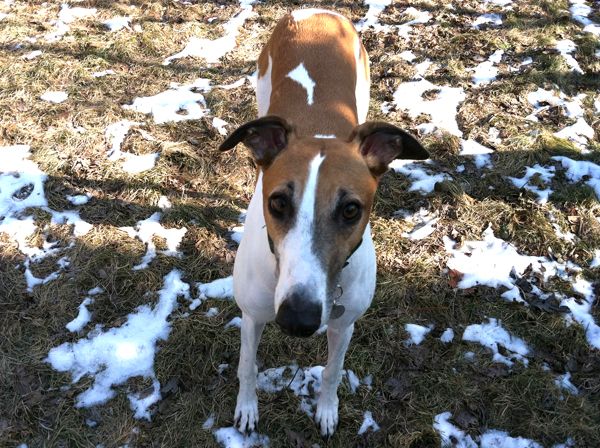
x=307 y=257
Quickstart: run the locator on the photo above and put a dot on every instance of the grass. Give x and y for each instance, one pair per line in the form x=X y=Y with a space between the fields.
x=209 y=189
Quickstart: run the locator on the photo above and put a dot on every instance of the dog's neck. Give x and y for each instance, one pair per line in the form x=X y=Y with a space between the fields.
x=302 y=88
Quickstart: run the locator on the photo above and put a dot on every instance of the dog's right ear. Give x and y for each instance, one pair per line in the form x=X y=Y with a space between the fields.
x=265 y=137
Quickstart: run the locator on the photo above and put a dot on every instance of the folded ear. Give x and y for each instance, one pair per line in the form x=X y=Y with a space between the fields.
x=380 y=143
x=265 y=137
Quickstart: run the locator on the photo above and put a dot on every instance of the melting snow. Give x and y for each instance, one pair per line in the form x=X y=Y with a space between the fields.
x=492 y=438
x=179 y=103
x=487 y=19
x=376 y=7
x=32 y=55
x=492 y=335
x=66 y=16
x=416 y=333
x=230 y=437
x=442 y=109
x=582 y=310
x=221 y=288
x=480 y=153
x=486 y=72
x=54 y=96
x=577 y=170
x=213 y=50
x=146 y=230
x=368 y=423
x=219 y=125
x=79 y=199
x=235 y=322
x=421 y=180
x=117 y=23
x=83 y=317
x=566 y=47
x=540 y=174
x=491 y=262
x=564 y=382
x=132 y=163
x=103 y=73
x=447 y=336
x=580 y=12
x=111 y=357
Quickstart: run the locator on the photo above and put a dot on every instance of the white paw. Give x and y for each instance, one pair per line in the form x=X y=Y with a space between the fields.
x=326 y=416
x=246 y=414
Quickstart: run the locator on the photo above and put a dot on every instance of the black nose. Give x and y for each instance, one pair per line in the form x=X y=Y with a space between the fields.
x=299 y=316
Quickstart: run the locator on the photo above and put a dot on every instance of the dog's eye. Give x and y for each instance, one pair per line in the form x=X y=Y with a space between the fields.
x=351 y=212
x=278 y=205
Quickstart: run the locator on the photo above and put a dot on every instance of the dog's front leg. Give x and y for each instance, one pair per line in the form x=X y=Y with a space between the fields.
x=246 y=409
x=326 y=416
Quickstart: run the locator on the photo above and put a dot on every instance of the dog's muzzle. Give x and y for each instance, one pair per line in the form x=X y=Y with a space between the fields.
x=298 y=315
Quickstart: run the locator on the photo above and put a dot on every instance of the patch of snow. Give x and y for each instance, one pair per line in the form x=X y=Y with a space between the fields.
x=83 y=317
x=582 y=310
x=235 y=322
x=209 y=422
x=442 y=109
x=219 y=125
x=566 y=47
x=213 y=50
x=368 y=423
x=132 y=163
x=578 y=170
x=485 y=19
x=371 y=19
x=179 y=103
x=212 y=312
x=450 y=434
x=501 y=439
x=79 y=199
x=103 y=73
x=422 y=231
x=421 y=180
x=407 y=55
x=221 y=288
x=486 y=72
x=579 y=133
x=112 y=357
x=541 y=174
x=480 y=153
x=55 y=97
x=596 y=260
x=580 y=12
x=493 y=262
x=32 y=55
x=230 y=437
x=447 y=336
x=492 y=335
x=117 y=23
x=66 y=16
x=416 y=333
x=146 y=230
x=564 y=382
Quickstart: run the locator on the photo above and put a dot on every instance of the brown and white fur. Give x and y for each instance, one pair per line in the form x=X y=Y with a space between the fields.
x=307 y=237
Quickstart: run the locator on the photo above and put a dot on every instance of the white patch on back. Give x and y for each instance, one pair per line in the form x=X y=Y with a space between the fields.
x=301 y=76
x=263 y=90
x=325 y=136
x=302 y=14
x=298 y=264
x=361 y=93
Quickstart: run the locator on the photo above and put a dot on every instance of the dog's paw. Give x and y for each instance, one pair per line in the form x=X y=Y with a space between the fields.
x=246 y=415
x=326 y=416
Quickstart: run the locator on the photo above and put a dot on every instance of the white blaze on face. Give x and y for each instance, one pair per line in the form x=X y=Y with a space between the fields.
x=299 y=266
x=301 y=76
x=361 y=92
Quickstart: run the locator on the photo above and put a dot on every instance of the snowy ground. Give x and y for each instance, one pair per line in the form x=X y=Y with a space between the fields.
x=119 y=224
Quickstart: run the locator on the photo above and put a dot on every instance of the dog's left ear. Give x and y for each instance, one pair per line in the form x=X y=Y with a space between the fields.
x=380 y=143
x=265 y=137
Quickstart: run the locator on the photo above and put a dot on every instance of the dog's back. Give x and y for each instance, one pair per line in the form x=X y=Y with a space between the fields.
x=314 y=72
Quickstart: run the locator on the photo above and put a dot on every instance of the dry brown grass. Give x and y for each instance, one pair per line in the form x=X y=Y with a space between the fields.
x=208 y=190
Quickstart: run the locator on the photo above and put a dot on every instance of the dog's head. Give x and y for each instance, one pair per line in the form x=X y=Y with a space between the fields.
x=317 y=197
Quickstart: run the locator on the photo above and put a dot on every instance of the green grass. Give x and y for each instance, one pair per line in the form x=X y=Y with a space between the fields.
x=208 y=189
